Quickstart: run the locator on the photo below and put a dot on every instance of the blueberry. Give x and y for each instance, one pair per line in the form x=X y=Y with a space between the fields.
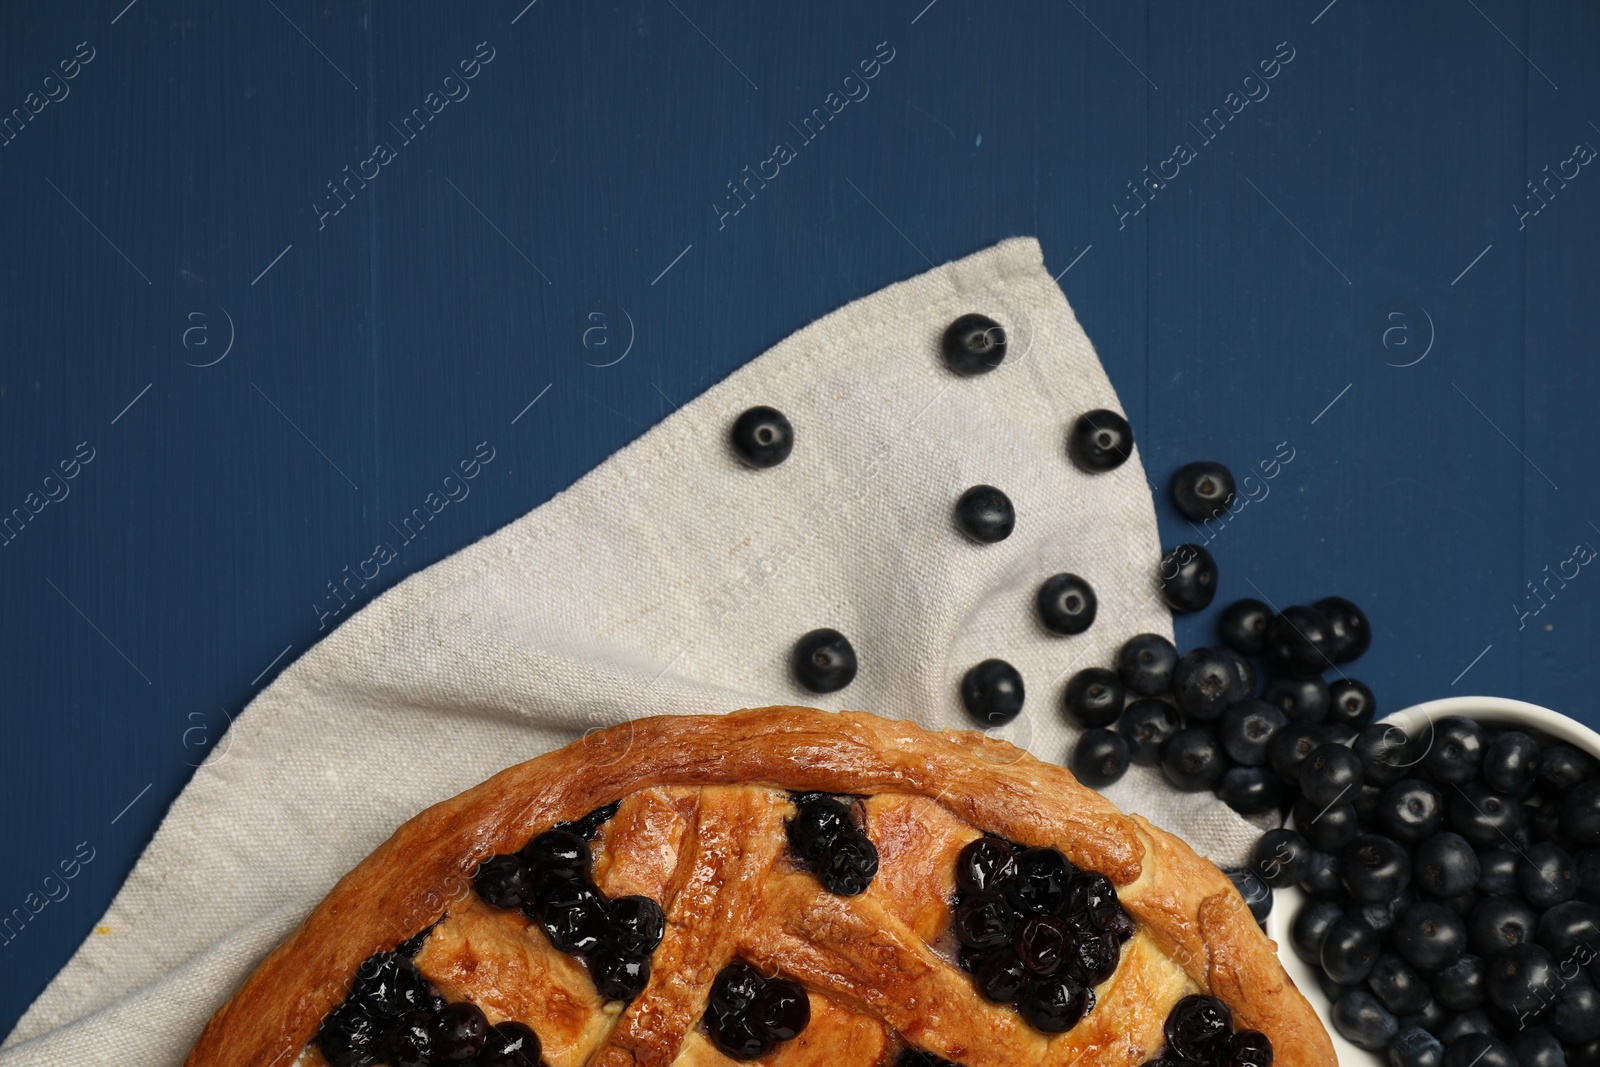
x=1510 y=761
x=762 y=437
x=1043 y=881
x=1291 y=745
x=1576 y=1015
x=1465 y=904
x=985 y=514
x=1586 y=1055
x=1188 y=578
x=1199 y=1029
x=848 y=866
x=1459 y=986
x=1099 y=441
x=1456 y=755
x=1544 y=820
x=1538 y=1047
x=1053 y=1005
x=1251 y=790
x=557 y=855
x=387 y=986
x=1588 y=867
x=1459 y=1026
x=1568 y=925
x=1430 y=1018
x=1251 y=1048
x=349 y=1036
x=637 y=925
x=1300 y=642
x=1352 y=633
x=1387 y=754
x=1100 y=757
x=815 y=825
x=992 y=692
x=1301 y=699
x=504 y=881
x=1580 y=813
x=1547 y=875
x=1329 y=828
x=735 y=988
x=1362 y=1021
x=1193 y=760
x=1349 y=950
x=1248 y=727
x=1205 y=682
x=1310 y=927
x=1145 y=663
x=509 y=1045
x=1202 y=489
x=1498 y=871
x=1256 y=893
x=1247 y=673
x=576 y=919
x=1067 y=604
x=781 y=1009
x=1093 y=958
x=1093 y=697
x=1413 y=1046
x=1322 y=876
x=1396 y=985
x=1042 y=943
x=823 y=661
x=1243 y=626
x=1561 y=767
x=985 y=867
x=618 y=977
x=1330 y=773
x=1281 y=857
x=459 y=1033
x=1146 y=724
x=1412 y=810
x=1002 y=977
x=1374 y=868
x=973 y=344
x=1499 y=923
x=1382 y=915
x=1351 y=703
x=1483 y=816
x=1429 y=936
x=1522 y=979
x=1478 y=1050
x=409 y=1041
x=736 y=1035
x=1445 y=865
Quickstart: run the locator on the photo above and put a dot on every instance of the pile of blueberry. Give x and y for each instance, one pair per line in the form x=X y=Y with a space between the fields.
x=395 y=1016
x=749 y=1013
x=1035 y=931
x=1199 y=1032
x=824 y=835
x=1454 y=880
x=551 y=882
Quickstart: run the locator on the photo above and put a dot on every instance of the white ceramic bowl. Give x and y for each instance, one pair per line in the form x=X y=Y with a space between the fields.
x=1414 y=721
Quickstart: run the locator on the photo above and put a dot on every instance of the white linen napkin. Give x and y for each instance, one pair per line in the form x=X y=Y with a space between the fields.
x=670 y=579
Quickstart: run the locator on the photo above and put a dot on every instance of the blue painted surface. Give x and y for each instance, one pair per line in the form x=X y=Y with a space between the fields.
x=174 y=197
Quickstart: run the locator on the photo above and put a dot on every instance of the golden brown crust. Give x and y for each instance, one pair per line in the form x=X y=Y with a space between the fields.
x=1195 y=930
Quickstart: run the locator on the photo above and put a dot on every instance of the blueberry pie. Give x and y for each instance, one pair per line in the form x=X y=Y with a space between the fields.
x=784 y=886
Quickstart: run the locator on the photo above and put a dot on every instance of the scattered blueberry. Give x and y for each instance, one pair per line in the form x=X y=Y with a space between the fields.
x=1205 y=682
x=1256 y=893
x=1100 y=441
x=823 y=661
x=1291 y=746
x=985 y=514
x=762 y=437
x=1310 y=927
x=1146 y=724
x=1328 y=827
x=1330 y=773
x=1456 y=755
x=1300 y=642
x=1350 y=631
x=1193 y=760
x=992 y=692
x=1281 y=857
x=1301 y=699
x=1100 y=757
x=1251 y=790
x=1243 y=626
x=1145 y=663
x=1067 y=604
x=1202 y=489
x=1188 y=578
x=1093 y=697
x=973 y=344
x=1351 y=703
x=1248 y=727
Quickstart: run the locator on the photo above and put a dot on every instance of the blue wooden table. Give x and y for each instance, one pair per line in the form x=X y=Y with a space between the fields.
x=274 y=268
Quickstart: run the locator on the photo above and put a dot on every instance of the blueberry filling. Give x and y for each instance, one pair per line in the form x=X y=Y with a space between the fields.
x=749 y=1013
x=824 y=837
x=916 y=1057
x=588 y=827
x=1199 y=1032
x=1036 y=932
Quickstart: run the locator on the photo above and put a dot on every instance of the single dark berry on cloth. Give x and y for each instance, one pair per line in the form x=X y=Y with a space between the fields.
x=1498 y=870
x=1565 y=927
x=1510 y=762
x=973 y=344
x=409 y=1041
x=1351 y=703
x=1374 y=868
x=1145 y=663
x=1193 y=759
x=1199 y=1029
x=1330 y=773
x=1290 y=747
x=1043 y=943
x=1300 y=642
x=1561 y=767
x=1067 y=604
x=1456 y=755
x=1537 y=1047
x=735 y=987
x=1580 y=813
x=1202 y=489
x=1429 y=936
x=823 y=661
x=1043 y=882
x=509 y=1045
x=1413 y=1046
x=637 y=925
x=1445 y=865
x=1248 y=727
x=1349 y=950
x=1576 y=1015
x=459 y=1033
x=736 y=1035
x=1251 y=1048
x=618 y=977
x=1301 y=699
x=1459 y=1026
x=1322 y=876
x=762 y=437
x=1363 y=1021
x=985 y=923
x=349 y=1036
x=1243 y=626
x=1483 y=816
x=1099 y=441
x=848 y=866
x=1310 y=926
x=1499 y=923
x=1001 y=977
x=1397 y=985
x=1547 y=875
x=1352 y=633
x=781 y=1009
x=1523 y=979
x=1205 y=683
x=1281 y=857
x=1251 y=790
x=1459 y=986
x=1188 y=578
x=1412 y=810
x=1093 y=697
x=1100 y=757
x=1256 y=893
x=504 y=881
x=1387 y=754
x=1053 y=1005
x=1146 y=724
x=992 y=692
x=557 y=854
x=985 y=515
x=1478 y=1050
x=1329 y=827
x=815 y=825
x=985 y=867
